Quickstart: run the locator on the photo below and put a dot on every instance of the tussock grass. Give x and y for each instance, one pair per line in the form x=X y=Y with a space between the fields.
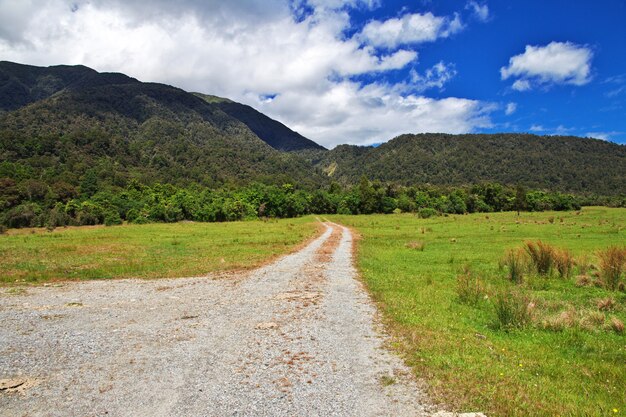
x=513 y=309
x=416 y=245
x=612 y=262
x=541 y=255
x=563 y=262
x=469 y=287
x=516 y=263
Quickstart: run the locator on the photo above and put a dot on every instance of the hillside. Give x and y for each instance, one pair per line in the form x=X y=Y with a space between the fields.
x=272 y=132
x=60 y=122
x=541 y=162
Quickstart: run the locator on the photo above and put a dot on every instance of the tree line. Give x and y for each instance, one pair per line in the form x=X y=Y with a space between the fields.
x=137 y=203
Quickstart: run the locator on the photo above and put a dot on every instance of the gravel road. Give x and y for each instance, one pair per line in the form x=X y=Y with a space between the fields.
x=294 y=338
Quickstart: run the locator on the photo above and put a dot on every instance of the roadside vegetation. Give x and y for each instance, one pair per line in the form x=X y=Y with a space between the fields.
x=506 y=314
x=145 y=251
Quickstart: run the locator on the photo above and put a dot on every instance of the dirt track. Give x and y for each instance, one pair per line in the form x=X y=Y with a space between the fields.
x=294 y=338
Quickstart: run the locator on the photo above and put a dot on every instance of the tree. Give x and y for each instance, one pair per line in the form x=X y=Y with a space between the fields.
x=520 y=199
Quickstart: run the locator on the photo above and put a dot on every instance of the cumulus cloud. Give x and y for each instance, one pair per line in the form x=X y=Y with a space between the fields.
x=435 y=77
x=410 y=29
x=510 y=108
x=480 y=11
x=248 y=51
x=346 y=110
x=555 y=63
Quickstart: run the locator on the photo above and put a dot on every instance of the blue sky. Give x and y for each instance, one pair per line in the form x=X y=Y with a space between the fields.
x=356 y=71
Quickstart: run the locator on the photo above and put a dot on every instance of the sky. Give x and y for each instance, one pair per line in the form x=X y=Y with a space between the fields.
x=356 y=71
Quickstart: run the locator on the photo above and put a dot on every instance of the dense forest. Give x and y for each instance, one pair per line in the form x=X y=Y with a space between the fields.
x=82 y=147
x=568 y=164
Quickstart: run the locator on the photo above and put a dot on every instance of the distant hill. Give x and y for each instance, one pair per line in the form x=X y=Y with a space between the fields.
x=545 y=162
x=59 y=122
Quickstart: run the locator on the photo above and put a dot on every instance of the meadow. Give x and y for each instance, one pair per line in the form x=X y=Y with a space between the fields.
x=155 y=250
x=545 y=345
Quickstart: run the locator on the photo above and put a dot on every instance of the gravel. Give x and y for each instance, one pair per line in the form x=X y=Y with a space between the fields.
x=295 y=338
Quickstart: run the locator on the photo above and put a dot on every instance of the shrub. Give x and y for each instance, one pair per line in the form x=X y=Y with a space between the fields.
x=611 y=265
x=427 y=212
x=112 y=217
x=469 y=288
x=513 y=309
x=542 y=256
x=564 y=262
x=515 y=261
x=24 y=215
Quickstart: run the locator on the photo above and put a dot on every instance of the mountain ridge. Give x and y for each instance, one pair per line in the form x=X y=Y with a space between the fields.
x=72 y=118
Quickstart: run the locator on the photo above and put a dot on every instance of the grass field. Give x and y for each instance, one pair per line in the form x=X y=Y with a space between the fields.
x=567 y=361
x=145 y=251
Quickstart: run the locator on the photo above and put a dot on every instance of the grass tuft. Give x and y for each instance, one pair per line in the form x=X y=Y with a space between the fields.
x=606 y=304
x=617 y=325
x=513 y=309
x=469 y=288
x=563 y=262
x=516 y=262
x=541 y=255
x=611 y=266
x=417 y=245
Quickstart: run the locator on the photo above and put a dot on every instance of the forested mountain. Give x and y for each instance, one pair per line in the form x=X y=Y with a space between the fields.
x=572 y=164
x=69 y=132
x=274 y=133
x=59 y=123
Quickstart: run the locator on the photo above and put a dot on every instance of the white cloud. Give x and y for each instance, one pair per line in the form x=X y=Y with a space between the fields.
x=555 y=63
x=510 y=108
x=248 y=51
x=434 y=77
x=537 y=128
x=602 y=135
x=481 y=11
x=350 y=113
x=410 y=29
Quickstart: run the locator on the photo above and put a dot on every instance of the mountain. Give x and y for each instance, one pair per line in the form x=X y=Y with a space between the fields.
x=62 y=124
x=272 y=132
x=561 y=163
x=59 y=122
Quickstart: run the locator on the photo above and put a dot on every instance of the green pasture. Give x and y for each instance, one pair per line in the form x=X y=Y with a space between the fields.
x=576 y=367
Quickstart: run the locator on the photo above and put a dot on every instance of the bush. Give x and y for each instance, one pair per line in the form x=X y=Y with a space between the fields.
x=57 y=217
x=469 y=288
x=427 y=212
x=542 y=256
x=611 y=266
x=512 y=308
x=24 y=215
x=112 y=217
x=516 y=263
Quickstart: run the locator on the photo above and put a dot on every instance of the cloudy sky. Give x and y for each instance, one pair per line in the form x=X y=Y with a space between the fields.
x=355 y=71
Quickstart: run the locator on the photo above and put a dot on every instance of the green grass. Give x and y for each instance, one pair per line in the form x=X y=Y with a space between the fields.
x=469 y=360
x=145 y=251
